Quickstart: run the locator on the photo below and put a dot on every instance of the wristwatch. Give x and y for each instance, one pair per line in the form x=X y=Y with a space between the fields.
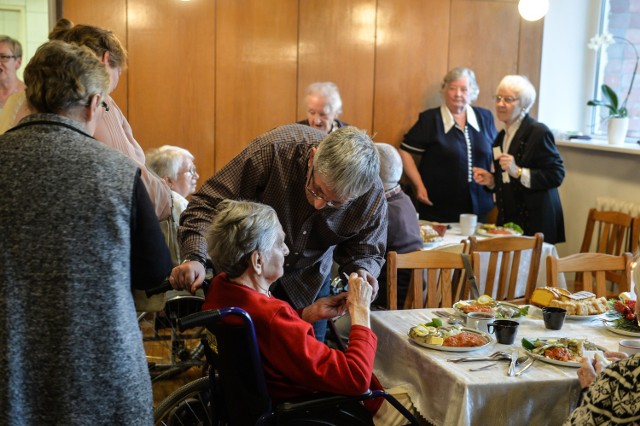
x=519 y=172
x=195 y=258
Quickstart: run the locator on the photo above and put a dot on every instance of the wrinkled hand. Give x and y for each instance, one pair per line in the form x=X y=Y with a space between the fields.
x=422 y=195
x=587 y=373
x=483 y=177
x=360 y=296
x=331 y=306
x=615 y=356
x=508 y=164
x=187 y=276
x=373 y=282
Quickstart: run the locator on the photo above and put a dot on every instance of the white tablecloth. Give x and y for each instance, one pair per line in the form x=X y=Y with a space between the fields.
x=448 y=393
x=453 y=236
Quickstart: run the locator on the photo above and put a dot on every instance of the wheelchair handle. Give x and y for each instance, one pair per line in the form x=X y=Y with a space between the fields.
x=162 y=288
x=203 y=318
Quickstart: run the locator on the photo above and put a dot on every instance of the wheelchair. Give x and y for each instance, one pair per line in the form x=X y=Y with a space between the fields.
x=235 y=391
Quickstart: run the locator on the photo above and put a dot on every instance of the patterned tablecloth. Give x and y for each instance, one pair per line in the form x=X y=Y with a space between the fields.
x=453 y=236
x=448 y=393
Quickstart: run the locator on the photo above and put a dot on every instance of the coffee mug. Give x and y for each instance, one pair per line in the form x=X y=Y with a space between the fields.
x=479 y=320
x=468 y=223
x=629 y=346
x=505 y=331
x=553 y=317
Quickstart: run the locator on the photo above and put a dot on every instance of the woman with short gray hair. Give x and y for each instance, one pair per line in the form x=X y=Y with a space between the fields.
x=440 y=151
x=324 y=105
x=10 y=61
x=77 y=232
x=526 y=174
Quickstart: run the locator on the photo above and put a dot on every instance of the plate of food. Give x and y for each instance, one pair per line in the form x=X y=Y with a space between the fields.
x=431 y=235
x=563 y=351
x=491 y=230
x=622 y=319
x=450 y=339
x=580 y=306
x=485 y=303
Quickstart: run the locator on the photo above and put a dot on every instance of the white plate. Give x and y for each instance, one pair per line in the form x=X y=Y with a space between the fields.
x=433 y=242
x=543 y=358
x=484 y=233
x=511 y=305
x=455 y=348
x=620 y=331
x=582 y=317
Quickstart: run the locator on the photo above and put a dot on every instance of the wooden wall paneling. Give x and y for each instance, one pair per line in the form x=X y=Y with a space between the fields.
x=411 y=59
x=111 y=15
x=256 y=71
x=337 y=43
x=485 y=38
x=171 y=76
x=530 y=54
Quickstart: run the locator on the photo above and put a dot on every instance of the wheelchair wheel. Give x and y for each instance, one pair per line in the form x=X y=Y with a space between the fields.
x=189 y=405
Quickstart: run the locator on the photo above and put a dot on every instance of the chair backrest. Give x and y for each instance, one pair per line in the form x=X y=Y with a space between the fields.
x=505 y=257
x=594 y=268
x=439 y=268
x=615 y=232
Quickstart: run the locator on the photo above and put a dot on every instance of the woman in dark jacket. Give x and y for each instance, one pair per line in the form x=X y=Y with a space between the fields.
x=527 y=168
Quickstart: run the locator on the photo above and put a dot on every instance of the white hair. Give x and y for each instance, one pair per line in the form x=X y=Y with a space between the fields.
x=167 y=160
x=390 y=165
x=522 y=87
x=329 y=91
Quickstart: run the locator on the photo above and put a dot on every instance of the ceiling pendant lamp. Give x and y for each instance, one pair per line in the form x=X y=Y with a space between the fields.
x=532 y=10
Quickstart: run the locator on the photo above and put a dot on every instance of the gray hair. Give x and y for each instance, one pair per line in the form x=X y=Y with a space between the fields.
x=458 y=73
x=238 y=229
x=61 y=76
x=390 y=165
x=167 y=160
x=329 y=91
x=348 y=162
x=522 y=87
x=14 y=45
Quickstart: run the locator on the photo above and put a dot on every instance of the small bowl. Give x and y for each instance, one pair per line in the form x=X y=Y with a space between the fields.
x=439 y=228
x=629 y=346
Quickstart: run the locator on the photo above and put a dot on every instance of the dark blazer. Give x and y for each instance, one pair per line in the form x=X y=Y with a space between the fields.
x=535 y=209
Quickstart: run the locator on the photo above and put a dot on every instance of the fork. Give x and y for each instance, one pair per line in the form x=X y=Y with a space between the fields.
x=451 y=319
x=494 y=356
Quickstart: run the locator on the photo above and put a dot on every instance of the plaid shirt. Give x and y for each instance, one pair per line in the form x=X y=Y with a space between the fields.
x=273 y=170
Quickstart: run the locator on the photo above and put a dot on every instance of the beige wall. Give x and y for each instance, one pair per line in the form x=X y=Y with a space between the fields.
x=210 y=75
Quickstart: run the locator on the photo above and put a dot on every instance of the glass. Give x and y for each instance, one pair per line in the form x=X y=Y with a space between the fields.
x=191 y=171
x=6 y=58
x=506 y=99
x=105 y=106
x=314 y=194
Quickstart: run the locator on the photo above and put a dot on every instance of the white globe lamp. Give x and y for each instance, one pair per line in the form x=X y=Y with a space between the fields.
x=532 y=10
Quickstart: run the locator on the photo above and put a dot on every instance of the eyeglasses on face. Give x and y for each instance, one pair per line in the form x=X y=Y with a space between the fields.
x=314 y=194
x=506 y=99
x=7 y=58
x=192 y=171
x=105 y=106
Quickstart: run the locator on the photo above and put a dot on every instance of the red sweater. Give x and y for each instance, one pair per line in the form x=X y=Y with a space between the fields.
x=295 y=363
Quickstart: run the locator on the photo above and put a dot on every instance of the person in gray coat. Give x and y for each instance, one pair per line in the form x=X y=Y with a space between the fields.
x=77 y=231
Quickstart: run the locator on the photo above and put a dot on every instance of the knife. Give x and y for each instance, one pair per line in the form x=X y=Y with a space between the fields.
x=512 y=366
x=528 y=363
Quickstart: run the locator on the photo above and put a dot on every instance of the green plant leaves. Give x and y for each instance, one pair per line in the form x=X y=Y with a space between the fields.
x=610 y=101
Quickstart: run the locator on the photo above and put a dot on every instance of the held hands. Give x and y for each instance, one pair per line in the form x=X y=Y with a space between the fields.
x=187 y=276
x=591 y=368
x=360 y=296
x=373 y=282
x=325 y=308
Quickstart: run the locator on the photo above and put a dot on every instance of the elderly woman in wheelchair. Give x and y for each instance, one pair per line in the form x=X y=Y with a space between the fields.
x=246 y=244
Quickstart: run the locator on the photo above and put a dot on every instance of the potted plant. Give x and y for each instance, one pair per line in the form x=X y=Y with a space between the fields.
x=617 y=118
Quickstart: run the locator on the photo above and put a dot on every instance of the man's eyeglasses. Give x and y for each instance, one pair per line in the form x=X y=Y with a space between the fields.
x=506 y=99
x=105 y=106
x=192 y=171
x=314 y=194
x=6 y=58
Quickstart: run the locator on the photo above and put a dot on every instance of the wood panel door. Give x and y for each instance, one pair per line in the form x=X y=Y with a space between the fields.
x=410 y=63
x=256 y=71
x=337 y=43
x=171 y=88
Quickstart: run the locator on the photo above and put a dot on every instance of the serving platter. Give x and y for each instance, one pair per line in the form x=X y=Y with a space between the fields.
x=457 y=348
x=456 y=307
x=612 y=328
x=583 y=317
x=485 y=233
x=573 y=364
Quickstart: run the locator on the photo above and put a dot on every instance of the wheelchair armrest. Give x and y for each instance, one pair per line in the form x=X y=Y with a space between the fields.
x=319 y=400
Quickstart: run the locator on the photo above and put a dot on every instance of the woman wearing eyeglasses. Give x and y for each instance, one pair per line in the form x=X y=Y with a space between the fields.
x=10 y=61
x=527 y=168
x=441 y=149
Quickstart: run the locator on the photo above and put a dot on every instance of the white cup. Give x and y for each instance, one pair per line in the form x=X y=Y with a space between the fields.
x=468 y=223
x=629 y=346
x=479 y=320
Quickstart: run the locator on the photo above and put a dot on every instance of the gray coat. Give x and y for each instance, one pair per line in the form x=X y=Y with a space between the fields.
x=72 y=351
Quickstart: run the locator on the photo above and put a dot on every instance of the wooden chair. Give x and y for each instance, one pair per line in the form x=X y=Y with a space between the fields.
x=440 y=269
x=615 y=233
x=594 y=268
x=504 y=261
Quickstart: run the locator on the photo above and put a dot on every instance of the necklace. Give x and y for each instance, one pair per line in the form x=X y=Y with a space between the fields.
x=265 y=291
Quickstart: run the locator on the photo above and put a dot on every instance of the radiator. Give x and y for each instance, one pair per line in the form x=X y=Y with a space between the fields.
x=615 y=204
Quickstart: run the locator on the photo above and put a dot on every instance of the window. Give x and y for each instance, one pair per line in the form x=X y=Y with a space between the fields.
x=616 y=64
